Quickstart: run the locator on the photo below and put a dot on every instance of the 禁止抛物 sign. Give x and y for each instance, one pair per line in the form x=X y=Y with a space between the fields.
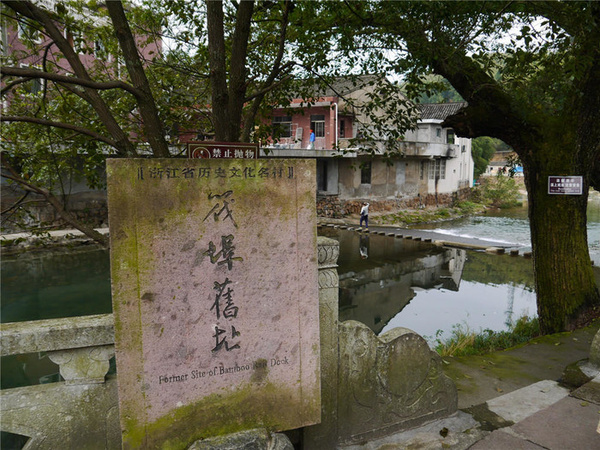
x=222 y=150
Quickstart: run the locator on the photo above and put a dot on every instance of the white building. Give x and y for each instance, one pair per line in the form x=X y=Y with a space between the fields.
x=433 y=165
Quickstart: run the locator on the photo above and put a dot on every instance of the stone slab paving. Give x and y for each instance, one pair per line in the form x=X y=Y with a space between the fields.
x=568 y=424
x=546 y=418
x=501 y=440
x=589 y=392
x=526 y=401
x=457 y=431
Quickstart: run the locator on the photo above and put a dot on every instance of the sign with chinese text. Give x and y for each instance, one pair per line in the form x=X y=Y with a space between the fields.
x=222 y=150
x=565 y=185
x=215 y=296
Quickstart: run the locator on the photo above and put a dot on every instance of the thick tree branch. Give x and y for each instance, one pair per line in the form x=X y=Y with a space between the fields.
x=490 y=110
x=33 y=12
x=64 y=126
x=268 y=87
x=281 y=49
x=237 y=68
x=218 y=70
x=15 y=204
x=12 y=84
x=101 y=85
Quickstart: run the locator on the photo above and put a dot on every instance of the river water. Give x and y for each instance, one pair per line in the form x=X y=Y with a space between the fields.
x=405 y=283
x=512 y=227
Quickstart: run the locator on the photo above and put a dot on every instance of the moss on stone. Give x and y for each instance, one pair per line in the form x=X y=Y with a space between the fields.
x=217 y=414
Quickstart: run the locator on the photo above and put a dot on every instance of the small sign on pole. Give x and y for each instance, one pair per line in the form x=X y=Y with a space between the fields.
x=565 y=185
x=222 y=150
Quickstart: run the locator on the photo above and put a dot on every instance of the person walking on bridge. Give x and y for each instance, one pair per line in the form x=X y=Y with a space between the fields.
x=364 y=216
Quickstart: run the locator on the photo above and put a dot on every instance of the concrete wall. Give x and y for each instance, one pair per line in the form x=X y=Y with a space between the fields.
x=405 y=179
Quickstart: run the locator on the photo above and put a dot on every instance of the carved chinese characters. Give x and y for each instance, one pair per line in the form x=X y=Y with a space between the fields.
x=215 y=296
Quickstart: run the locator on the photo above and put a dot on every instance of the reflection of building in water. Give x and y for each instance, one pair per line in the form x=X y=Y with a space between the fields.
x=375 y=290
x=452 y=270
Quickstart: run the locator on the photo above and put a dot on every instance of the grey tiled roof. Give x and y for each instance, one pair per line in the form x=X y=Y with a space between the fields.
x=439 y=111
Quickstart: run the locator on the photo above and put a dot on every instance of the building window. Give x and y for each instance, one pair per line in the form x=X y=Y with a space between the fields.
x=437 y=169
x=321 y=175
x=342 y=128
x=450 y=137
x=365 y=173
x=100 y=50
x=438 y=132
x=463 y=149
x=317 y=124
x=282 y=126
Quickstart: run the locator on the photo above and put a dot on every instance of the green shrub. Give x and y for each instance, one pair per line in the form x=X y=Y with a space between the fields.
x=464 y=341
x=499 y=192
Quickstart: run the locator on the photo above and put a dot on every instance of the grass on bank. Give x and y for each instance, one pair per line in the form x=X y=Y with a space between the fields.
x=463 y=341
x=412 y=217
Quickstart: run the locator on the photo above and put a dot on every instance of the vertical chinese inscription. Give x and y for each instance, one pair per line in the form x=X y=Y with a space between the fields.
x=226 y=336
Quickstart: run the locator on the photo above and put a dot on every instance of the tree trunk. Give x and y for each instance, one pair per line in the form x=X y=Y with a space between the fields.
x=228 y=101
x=218 y=68
x=153 y=127
x=238 y=72
x=565 y=285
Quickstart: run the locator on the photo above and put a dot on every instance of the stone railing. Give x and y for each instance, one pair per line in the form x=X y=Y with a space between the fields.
x=371 y=386
x=80 y=412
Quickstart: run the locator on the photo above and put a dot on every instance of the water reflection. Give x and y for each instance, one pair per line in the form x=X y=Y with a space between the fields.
x=49 y=285
x=428 y=288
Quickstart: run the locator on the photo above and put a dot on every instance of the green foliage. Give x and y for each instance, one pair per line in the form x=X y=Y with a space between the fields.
x=408 y=217
x=438 y=90
x=483 y=149
x=464 y=341
x=468 y=207
x=500 y=191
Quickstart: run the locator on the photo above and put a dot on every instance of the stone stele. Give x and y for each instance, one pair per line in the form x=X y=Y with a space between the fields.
x=215 y=297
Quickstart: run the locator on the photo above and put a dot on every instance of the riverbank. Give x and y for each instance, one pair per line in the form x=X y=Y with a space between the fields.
x=411 y=217
x=54 y=240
